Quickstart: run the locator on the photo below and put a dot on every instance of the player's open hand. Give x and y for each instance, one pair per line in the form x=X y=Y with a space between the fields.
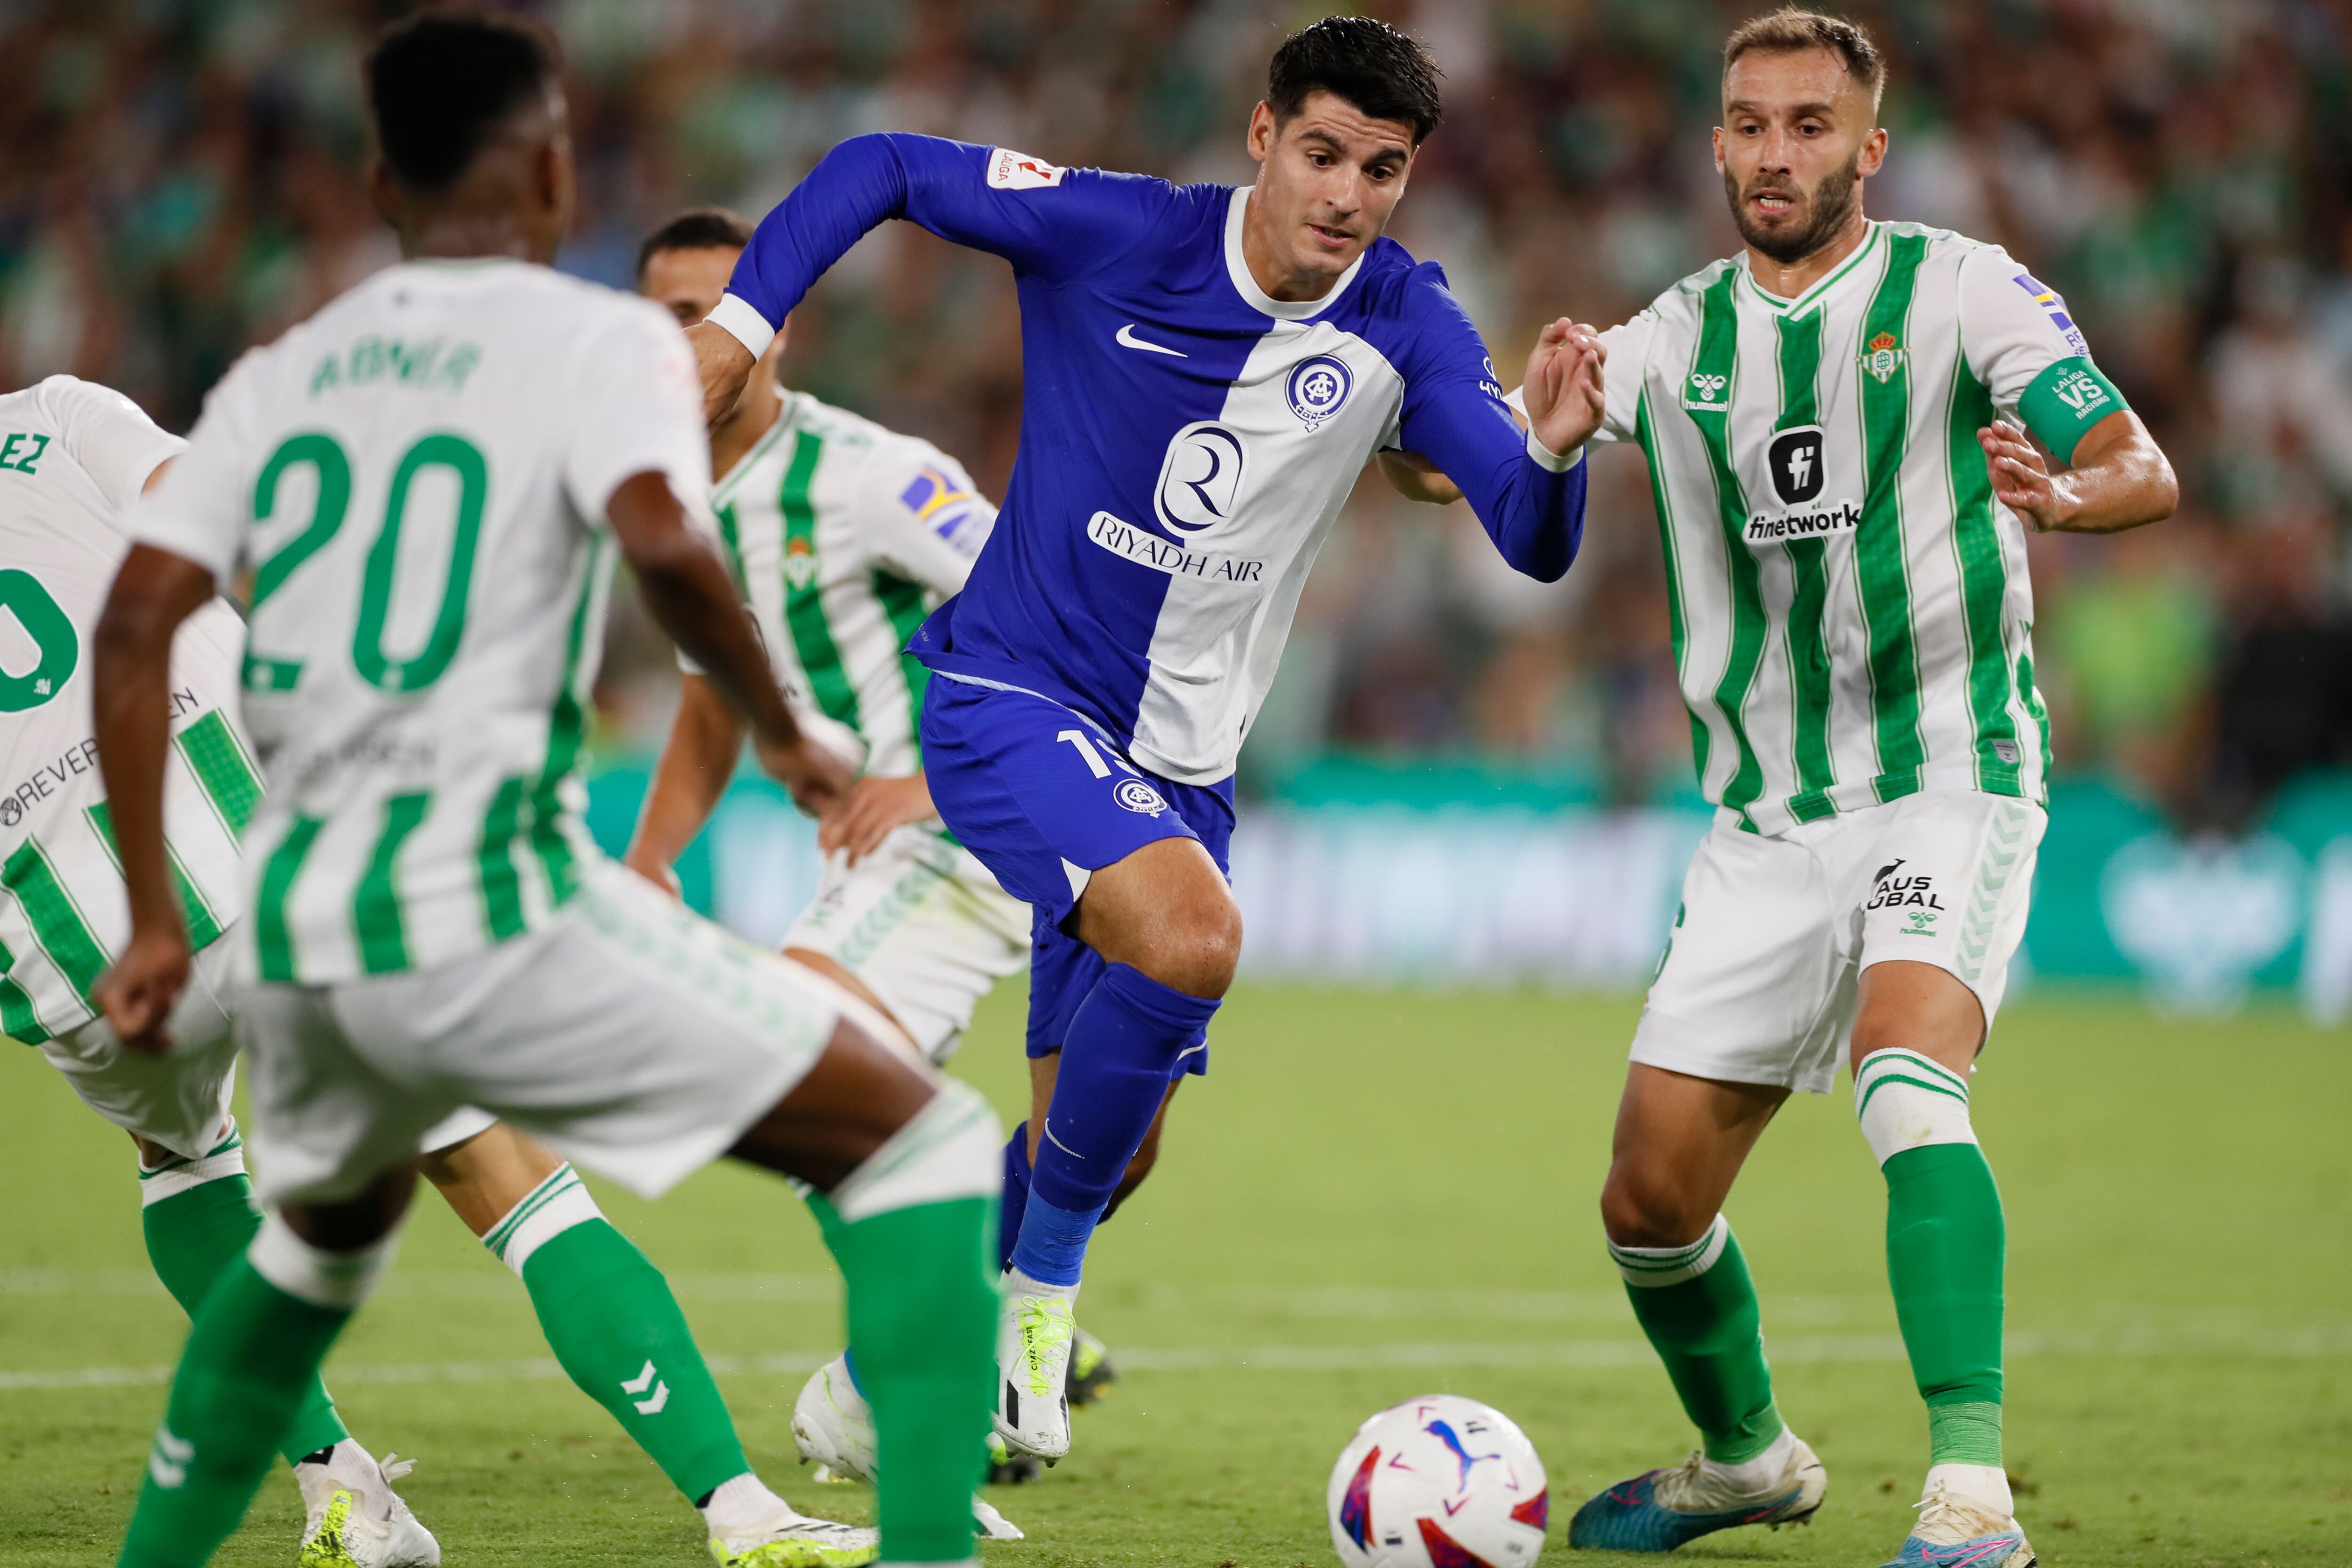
x=2022 y=482
x=724 y=364
x=820 y=780
x=1564 y=392
x=874 y=808
x=138 y=989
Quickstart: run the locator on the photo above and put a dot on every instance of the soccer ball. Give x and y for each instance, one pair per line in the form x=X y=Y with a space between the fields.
x=1439 y=1482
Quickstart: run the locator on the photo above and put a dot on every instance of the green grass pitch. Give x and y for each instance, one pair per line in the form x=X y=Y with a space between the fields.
x=1375 y=1194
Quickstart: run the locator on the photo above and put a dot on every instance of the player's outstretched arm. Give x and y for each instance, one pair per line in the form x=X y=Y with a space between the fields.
x=697 y=763
x=685 y=587
x=2116 y=478
x=130 y=693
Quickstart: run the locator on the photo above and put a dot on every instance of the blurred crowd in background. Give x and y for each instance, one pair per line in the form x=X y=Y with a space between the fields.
x=178 y=181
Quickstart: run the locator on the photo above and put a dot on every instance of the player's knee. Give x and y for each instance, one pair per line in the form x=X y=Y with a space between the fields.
x=1639 y=1208
x=1201 y=946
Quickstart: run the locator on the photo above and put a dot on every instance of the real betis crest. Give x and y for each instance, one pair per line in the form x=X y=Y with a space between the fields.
x=1883 y=357
x=800 y=563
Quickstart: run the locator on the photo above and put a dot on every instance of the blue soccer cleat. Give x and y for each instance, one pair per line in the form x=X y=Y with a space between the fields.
x=1956 y=1532
x=1665 y=1509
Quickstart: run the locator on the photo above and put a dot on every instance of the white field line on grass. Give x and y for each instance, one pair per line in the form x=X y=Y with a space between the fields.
x=2322 y=1342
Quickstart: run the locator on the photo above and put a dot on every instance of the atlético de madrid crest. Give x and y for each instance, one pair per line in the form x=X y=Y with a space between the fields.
x=1883 y=357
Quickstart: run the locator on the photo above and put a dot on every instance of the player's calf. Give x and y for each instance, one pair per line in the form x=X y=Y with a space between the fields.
x=253 y=1353
x=1945 y=1244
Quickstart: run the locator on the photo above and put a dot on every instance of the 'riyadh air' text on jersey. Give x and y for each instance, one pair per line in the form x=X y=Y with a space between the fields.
x=418 y=476
x=1186 y=441
x=73 y=458
x=843 y=536
x=1850 y=612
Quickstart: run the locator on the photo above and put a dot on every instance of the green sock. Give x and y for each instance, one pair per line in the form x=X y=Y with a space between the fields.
x=1945 y=1245
x=252 y=1352
x=1698 y=1306
x=199 y=1218
x=610 y=1318
x=922 y=1325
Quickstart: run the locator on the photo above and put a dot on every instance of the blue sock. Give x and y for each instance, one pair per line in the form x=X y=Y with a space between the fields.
x=1016 y=1195
x=1124 y=1042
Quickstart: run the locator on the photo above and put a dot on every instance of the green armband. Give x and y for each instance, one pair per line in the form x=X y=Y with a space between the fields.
x=2065 y=400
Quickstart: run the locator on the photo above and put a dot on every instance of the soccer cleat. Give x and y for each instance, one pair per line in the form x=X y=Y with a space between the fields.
x=1956 y=1532
x=1033 y=1361
x=352 y=1518
x=833 y=1426
x=1664 y=1509
x=1007 y=1468
x=799 y=1543
x=1091 y=1373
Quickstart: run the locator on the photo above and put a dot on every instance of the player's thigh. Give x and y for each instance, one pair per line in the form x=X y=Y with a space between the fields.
x=629 y=1034
x=921 y=928
x=1043 y=798
x=1752 y=969
x=179 y=1101
x=1948 y=882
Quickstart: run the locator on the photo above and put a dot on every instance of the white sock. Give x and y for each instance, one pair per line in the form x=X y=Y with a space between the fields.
x=1986 y=1486
x=1018 y=1283
x=745 y=1506
x=1755 y=1476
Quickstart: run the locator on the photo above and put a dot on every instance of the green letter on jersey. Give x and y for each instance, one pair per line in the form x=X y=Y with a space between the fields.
x=464 y=459
x=22 y=595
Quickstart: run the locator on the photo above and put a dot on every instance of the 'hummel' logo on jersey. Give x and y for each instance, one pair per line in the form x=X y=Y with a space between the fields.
x=1126 y=339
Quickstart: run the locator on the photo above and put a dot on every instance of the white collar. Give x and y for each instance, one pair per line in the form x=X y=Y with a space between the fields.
x=1257 y=298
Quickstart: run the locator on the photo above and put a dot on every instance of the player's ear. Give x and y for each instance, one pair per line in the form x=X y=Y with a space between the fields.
x=1717 y=136
x=1260 y=140
x=384 y=194
x=1873 y=153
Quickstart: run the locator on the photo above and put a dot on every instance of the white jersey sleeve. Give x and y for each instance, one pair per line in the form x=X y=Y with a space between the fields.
x=637 y=409
x=2026 y=350
x=108 y=434
x=922 y=517
x=201 y=510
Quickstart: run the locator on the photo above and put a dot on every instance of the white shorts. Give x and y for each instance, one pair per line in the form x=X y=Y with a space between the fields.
x=1759 y=981
x=922 y=923
x=628 y=1033
x=179 y=1099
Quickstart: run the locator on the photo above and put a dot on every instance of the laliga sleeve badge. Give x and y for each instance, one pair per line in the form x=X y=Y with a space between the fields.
x=1011 y=171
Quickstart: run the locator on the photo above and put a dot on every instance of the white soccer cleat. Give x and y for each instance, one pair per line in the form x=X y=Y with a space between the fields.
x=1956 y=1530
x=352 y=1518
x=1035 y=1328
x=1662 y=1510
x=833 y=1426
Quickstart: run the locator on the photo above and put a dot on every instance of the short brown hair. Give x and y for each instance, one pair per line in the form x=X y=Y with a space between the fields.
x=1792 y=31
x=696 y=228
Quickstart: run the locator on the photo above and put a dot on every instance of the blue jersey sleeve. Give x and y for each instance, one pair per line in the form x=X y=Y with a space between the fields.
x=1455 y=415
x=1050 y=222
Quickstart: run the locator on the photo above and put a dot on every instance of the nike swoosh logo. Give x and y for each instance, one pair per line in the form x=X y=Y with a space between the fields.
x=1127 y=339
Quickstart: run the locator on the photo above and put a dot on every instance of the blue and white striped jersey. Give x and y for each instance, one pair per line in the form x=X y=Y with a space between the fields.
x=1187 y=441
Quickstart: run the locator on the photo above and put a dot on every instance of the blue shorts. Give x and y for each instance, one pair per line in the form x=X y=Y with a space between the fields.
x=1042 y=798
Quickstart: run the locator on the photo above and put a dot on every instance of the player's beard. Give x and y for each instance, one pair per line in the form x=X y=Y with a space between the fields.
x=1831 y=207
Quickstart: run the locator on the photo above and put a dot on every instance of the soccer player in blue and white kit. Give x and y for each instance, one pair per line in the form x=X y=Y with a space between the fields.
x=1207 y=370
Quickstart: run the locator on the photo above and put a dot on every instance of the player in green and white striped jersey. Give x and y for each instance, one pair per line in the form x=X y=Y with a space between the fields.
x=430 y=479
x=1833 y=425
x=841 y=536
x=74 y=457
